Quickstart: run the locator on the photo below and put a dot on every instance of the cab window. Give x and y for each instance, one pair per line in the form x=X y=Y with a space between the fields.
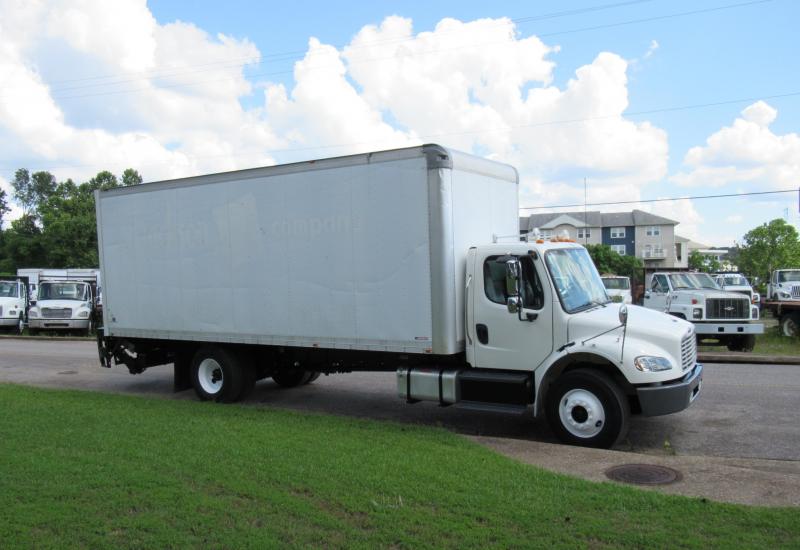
x=494 y=283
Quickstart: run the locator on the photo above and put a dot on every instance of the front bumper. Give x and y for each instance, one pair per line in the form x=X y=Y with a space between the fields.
x=728 y=328
x=671 y=397
x=58 y=324
x=9 y=321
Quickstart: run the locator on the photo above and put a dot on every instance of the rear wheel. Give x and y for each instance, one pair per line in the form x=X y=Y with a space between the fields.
x=790 y=325
x=313 y=376
x=217 y=375
x=585 y=407
x=292 y=378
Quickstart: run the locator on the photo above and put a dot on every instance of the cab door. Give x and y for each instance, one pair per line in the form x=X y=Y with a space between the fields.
x=657 y=297
x=500 y=339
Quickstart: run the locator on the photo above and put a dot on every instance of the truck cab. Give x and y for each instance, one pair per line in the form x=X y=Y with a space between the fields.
x=63 y=305
x=725 y=317
x=13 y=304
x=618 y=288
x=784 y=285
x=542 y=307
x=736 y=282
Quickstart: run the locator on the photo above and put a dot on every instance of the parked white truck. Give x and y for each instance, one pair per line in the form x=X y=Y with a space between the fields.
x=13 y=305
x=784 y=285
x=65 y=299
x=727 y=317
x=388 y=261
x=618 y=288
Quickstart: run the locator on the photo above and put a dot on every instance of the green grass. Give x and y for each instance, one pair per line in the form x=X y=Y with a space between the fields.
x=772 y=342
x=80 y=469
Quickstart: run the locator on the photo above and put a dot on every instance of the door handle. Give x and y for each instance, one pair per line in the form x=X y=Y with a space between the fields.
x=482 y=331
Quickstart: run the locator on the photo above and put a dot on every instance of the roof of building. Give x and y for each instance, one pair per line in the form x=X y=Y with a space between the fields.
x=593 y=218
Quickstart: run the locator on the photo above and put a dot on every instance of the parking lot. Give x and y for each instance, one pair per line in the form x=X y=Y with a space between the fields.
x=745 y=411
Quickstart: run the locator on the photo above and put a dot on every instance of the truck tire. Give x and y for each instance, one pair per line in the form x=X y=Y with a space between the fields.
x=742 y=343
x=217 y=375
x=90 y=327
x=291 y=378
x=314 y=376
x=790 y=325
x=585 y=407
x=20 y=325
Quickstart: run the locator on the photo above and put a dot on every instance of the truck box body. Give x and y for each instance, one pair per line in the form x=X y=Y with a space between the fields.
x=364 y=252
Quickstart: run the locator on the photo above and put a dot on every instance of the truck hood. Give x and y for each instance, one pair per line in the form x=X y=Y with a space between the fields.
x=709 y=293
x=72 y=304
x=644 y=322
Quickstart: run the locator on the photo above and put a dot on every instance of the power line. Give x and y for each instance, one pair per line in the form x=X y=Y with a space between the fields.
x=298 y=55
x=427 y=137
x=238 y=62
x=696 y=197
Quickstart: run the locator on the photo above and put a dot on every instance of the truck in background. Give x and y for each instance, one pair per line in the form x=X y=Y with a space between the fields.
x=725 y=317
x=64 y=299
x=736 y=282
x=389 y=261
x=13 y=305
x=784 y=285
x=618 y=288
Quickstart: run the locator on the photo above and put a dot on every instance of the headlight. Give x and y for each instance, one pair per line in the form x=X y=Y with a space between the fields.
x=646 y=363
x=785 y=294
x=83 y=314
x=697 y=313
x=33 y=313
x=754 y=313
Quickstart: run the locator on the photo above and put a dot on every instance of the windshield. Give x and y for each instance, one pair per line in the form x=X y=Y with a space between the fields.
x=616 y=283
x=64 y=291
x=576 y=279
x=788 y=276
x=8 y=290
x=734 y=280
x=692 y=280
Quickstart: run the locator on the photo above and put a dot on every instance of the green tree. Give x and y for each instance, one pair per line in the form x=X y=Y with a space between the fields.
x=701 y=262
x=608 y=261
x=4 y=209
x=769 y=246
x=32 y=190
x=23 y=245
x=131 y=177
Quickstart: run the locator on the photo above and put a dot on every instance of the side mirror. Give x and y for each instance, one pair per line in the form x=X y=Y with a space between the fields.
x=512 y=286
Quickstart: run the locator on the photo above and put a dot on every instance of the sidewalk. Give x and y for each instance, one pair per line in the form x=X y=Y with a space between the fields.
x=737 y=480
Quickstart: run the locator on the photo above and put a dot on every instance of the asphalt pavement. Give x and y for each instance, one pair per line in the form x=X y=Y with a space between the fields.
x=740 y=436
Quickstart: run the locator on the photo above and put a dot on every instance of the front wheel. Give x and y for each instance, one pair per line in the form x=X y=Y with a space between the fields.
x=20 y=325
x=742 y=343
x=585 y=407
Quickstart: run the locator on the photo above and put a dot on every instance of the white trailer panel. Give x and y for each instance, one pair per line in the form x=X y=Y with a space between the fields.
x=360 y=252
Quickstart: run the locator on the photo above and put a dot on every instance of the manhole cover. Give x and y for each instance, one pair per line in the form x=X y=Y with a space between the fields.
x=68 y=372
x=643 y=474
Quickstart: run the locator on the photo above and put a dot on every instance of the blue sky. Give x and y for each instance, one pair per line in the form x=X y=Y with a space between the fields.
x=660 y=60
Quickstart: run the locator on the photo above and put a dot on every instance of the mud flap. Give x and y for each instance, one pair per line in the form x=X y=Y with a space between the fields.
x=182 y=377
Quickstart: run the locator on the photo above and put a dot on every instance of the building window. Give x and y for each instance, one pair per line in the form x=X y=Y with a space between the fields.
x=618 y=248
x=653 y=231
x=617 y=232
x=547 y=233
x=584 y=233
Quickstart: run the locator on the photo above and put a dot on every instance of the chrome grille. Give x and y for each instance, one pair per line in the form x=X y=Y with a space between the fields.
x=56 y=312
x=796 y=291
x=688 y=350
x=616 y=299
x=727 y=308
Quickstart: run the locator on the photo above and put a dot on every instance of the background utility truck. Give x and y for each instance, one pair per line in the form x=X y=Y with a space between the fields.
x=13 y=305
x=784 y=285
x=727 y=317
x=65 y=299
x=618 y=288
x=387 y=261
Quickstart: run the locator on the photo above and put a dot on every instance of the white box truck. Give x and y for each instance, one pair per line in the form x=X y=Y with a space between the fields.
x=63 y=299
x=13 y=305
x=407 y=261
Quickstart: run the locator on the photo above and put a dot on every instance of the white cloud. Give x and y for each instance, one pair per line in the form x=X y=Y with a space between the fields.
x=651 y=49
x=747 y=151
x=15 y=211
x=735 y=218
x=173 y=105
